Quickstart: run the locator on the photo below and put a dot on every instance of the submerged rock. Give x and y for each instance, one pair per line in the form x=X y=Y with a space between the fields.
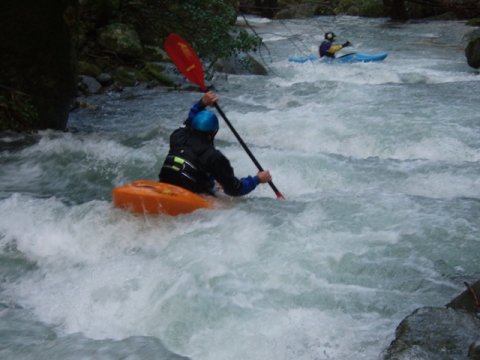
x=22 y=337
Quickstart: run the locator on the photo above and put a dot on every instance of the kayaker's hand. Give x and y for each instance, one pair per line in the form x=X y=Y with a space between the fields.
x=209 y=98
x=264 y=176
x=347 y=44
x=218 y=186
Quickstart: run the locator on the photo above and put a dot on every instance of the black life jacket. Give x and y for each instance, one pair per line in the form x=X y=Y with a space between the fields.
x=186 y=163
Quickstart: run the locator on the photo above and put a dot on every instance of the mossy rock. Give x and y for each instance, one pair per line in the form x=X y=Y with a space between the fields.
x=474 y=22
x=85 y=68
x=154 y=71
x=128 y=76
x=122 y=39
x=155 y=53
x=472 y=52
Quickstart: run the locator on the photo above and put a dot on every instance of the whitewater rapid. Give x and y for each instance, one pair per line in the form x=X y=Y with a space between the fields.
x=379 y=164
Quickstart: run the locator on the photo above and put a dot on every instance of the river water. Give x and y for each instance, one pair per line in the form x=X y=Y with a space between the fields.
x=380 y=167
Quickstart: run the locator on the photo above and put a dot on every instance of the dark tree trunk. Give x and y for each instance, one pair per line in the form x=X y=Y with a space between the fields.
x=37 y=56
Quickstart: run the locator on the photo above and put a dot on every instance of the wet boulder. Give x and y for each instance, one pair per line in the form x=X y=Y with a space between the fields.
x=474 y=351
x=450 y=332
x=472 y=52
x=155 y=72
x=467 y=300
x=434 y=333
x=89 y=85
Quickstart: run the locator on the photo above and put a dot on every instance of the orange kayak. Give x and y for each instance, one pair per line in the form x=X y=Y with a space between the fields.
x=153 y=197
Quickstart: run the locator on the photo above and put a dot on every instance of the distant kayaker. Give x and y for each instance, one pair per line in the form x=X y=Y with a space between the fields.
x=194 y=163
x=328 y=49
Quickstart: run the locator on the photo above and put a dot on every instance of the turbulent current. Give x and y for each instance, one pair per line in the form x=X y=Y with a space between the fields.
x=380 y=167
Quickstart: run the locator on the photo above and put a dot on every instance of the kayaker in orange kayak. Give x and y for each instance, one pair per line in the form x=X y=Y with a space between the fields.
x=195 y=164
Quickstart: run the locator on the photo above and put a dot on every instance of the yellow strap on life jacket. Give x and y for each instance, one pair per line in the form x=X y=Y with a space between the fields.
x=180 y=161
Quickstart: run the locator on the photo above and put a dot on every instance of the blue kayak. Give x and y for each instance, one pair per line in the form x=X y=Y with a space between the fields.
x=348 y=58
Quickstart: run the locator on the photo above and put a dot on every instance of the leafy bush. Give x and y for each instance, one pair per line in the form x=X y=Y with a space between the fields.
x=17 y=111
x=208 y=25
x=372 y=8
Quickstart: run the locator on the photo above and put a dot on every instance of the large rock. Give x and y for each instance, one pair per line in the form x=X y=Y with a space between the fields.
x=472 y=52
x=37 y=59
x=121 y=39
x=434 y=333
x=469 y=300
x=155 y=72
x=452 y=332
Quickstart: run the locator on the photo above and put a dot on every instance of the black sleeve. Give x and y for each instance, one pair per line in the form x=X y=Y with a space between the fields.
x=222 y=171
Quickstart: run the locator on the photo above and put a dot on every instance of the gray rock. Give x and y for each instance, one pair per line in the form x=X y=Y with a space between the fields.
x=467 y=300
x=434 y=333
x=89 y=85
x=474 y=350
x=472 y=52
x=105 y=79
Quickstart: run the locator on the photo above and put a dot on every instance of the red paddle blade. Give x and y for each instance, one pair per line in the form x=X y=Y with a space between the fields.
x=185 y=58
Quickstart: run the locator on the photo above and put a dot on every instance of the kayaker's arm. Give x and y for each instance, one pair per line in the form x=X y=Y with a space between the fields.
x=208 y=99
x=224 y=175
x=334 y=48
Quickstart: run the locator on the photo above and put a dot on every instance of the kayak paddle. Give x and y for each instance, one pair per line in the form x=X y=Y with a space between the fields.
x=188 y=63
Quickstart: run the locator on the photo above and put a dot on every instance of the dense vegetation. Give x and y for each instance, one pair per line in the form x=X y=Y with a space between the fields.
x=119 y=42
x=207 y=24
x=117 y=37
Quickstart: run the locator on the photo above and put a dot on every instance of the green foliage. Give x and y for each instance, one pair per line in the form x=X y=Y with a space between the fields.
x=209 y=25
x=373 y=8
x=474 y=22
x=17 y=111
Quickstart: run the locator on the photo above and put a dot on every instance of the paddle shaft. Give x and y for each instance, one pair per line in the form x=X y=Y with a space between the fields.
x=247 y=150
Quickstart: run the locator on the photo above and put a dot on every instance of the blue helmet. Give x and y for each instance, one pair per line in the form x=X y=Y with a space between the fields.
x=205 y=121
